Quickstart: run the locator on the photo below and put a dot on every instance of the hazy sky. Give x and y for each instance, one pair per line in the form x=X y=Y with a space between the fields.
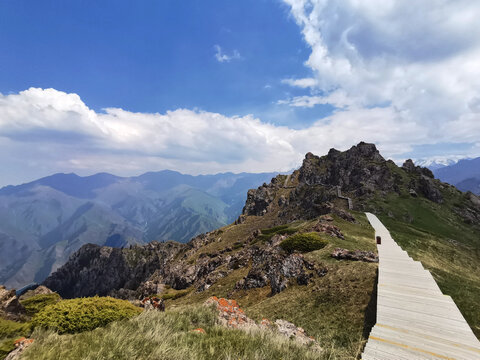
x=213 y=86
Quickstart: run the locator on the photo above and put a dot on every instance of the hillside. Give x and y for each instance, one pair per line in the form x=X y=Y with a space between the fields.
x=465 y=175
x=43 y=222
x=332 y=300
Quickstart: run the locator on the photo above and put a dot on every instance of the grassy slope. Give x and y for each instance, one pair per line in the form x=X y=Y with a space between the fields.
x=436 y=236
x=333 y=308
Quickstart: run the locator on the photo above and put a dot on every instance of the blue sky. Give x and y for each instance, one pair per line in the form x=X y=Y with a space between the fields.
x=154 y=56
x=251 y=85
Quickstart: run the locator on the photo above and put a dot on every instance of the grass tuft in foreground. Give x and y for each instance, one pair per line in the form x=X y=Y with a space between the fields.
x=167 y=336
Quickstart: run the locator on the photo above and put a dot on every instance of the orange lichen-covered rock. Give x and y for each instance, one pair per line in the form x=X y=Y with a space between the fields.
x=20 y=345
x=199 y=331
x=229 y=313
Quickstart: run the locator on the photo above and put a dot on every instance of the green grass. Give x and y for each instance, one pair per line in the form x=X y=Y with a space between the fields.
x=267 y=234
x=83 y=314
x=36 y=303
x=173 y=294
x=167 y=336
x=305 y=242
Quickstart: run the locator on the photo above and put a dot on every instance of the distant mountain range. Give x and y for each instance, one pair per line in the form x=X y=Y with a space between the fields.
x=465 y=175
x=44 y=221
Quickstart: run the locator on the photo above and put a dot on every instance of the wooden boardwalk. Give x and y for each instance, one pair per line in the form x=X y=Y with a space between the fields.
x=414 y=319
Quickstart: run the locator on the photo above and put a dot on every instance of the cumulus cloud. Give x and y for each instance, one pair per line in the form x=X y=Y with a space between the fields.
x=45 y=130
x=223 y=57
x=419 y=61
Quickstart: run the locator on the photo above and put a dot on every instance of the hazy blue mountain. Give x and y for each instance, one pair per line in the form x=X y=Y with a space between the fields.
x=44 y=221
x=465 y=175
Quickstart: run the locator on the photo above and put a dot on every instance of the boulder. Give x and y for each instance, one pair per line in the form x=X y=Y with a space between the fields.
x=153 y=303
x=356 y=255
x=10 y=307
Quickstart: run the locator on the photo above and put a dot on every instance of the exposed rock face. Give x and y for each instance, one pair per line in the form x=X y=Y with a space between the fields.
x=357 y=255
x=99 y=270
x=422 y=182
x=409 y=166
x=429 y=189
x=258 y=200
x=273 y=266
x=10 y=307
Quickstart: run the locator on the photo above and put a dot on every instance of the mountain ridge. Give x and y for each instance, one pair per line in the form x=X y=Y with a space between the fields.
x=44 y=221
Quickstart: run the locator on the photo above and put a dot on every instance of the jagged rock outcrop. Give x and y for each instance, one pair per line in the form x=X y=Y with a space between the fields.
x=273 y=266
x=356 y=255
x=99 y=270
x=10 y=307
x=422 y=182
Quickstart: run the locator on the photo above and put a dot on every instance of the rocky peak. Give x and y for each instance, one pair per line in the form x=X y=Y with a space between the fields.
x=410 y=167
x=360 y=173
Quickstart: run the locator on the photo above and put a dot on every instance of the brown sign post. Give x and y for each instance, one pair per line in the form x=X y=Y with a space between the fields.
x=379 y=240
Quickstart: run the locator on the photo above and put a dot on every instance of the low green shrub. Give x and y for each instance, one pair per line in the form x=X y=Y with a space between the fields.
x=10 y=329
x=305 y=242
x=36 y=303
x=6 y=346
x=83 y=314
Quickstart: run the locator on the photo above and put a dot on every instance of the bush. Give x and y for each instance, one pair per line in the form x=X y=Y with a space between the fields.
x=36 y=303
x=303 y=242
x=10 y=329
x=5 y=347
x=83 y=314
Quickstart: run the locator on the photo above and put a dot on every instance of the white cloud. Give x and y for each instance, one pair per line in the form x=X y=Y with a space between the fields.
x=302 y=83
x=420 y=61
x=223 y=57
x=47 y=131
